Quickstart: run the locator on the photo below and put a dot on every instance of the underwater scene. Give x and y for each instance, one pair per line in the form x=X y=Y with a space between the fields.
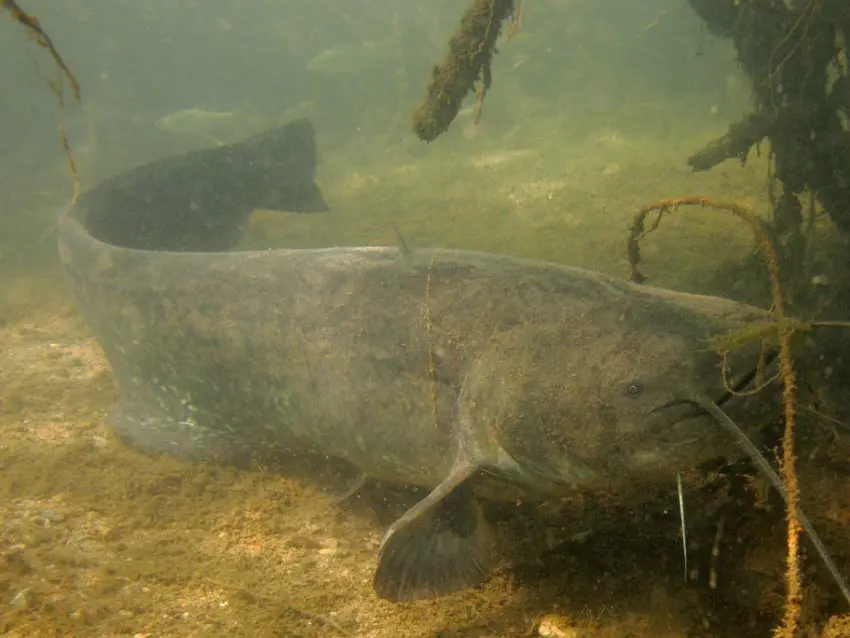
x=445 y=319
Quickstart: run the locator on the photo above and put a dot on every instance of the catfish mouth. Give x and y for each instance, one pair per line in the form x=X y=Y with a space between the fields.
x=696 y=404
x=741 y=384
x=734 y=389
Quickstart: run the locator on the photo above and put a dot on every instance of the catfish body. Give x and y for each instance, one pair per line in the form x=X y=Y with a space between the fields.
x=387 y=360
x=459 y=371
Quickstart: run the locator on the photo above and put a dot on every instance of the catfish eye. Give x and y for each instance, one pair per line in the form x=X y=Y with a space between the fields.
x=635 y=388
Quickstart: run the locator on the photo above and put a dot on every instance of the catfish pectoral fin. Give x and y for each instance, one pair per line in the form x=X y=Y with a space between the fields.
x=440 y=545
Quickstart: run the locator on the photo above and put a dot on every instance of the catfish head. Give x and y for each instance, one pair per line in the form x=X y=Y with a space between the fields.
x=612 y=397
x=595 y=399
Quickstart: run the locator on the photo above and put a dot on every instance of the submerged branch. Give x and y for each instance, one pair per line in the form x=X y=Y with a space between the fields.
x=467 y=63
x=737 y=142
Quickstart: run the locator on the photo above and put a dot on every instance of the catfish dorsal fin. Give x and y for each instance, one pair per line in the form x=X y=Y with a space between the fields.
x=403 y=248
x=440 y=545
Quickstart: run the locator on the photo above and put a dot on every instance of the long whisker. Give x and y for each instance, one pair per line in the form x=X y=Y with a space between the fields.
x=758 y=458
x=818 y=416
x=682 y=517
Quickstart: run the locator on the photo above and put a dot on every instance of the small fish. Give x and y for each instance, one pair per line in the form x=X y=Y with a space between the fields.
x=354 y=58
x=195 y=122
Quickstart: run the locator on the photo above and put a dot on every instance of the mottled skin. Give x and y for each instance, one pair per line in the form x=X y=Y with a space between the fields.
x=532 y=362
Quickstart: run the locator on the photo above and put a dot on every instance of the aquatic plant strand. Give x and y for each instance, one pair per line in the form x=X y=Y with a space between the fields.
x=429 y=328
x=66 y=147
x=43 y=40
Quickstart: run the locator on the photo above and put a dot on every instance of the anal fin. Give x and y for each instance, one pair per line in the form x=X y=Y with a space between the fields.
x=440 y=545
x=353 y=486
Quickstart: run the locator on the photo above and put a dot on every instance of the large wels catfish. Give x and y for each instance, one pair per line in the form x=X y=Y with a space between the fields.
x=467 y=373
